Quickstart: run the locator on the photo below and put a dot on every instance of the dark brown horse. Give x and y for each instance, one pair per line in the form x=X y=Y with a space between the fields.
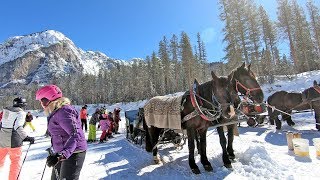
x=283 y=103
x=213 y=94
x=244 y=82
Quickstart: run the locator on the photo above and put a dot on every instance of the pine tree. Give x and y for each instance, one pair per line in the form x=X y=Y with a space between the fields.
x=315 y=27
x=285 y=25
x=188 y=61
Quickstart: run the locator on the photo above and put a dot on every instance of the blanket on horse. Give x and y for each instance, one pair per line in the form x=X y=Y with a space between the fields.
x=163 y=112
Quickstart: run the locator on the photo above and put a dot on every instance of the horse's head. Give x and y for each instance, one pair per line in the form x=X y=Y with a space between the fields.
x=312 y=92
x=244 y=81
x=225 y=95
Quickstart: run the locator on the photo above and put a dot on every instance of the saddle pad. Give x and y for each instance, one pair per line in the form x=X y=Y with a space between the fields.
x=163 y=112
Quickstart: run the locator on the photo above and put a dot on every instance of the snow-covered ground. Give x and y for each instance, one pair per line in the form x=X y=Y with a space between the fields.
x=261 y=152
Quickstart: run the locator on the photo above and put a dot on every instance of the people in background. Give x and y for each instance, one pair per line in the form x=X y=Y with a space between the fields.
x=117 y=119
x=29 y=118
x=83 y=117
x=104 y=126
x=12 y=136
x=111 y=125
x=67 y=138
x=93 y=126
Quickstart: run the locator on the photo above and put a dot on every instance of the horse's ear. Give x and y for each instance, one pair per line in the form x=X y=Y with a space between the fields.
x=249 y=66
x=315 y=83
x=196 y=82
x=243 y=65
x=214 y=77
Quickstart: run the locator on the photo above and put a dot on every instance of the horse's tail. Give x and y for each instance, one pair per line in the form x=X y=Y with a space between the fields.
x=148 y=139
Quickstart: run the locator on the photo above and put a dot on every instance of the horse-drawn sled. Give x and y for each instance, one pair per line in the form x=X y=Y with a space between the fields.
x=135 y=129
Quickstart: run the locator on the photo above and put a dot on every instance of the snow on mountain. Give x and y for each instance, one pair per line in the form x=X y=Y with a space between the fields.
x=40 y=56
x=18 y=46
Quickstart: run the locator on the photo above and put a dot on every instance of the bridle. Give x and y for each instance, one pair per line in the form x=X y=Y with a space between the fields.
x=317 y=88
x=248 y=90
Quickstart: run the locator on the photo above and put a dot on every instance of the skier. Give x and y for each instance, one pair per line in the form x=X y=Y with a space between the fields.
x=67 y=138
x=116 y=114
x=111 y=125
x=29 y=118
x=12 y=135
x=83 y=117
x=104 y=126
x=92 y=126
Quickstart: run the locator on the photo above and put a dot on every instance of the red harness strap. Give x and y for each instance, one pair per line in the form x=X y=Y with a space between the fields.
x=195 y=103
x=317 y=88
x=248 y=90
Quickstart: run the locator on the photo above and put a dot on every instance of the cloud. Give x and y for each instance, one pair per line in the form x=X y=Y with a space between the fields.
x=208 y=35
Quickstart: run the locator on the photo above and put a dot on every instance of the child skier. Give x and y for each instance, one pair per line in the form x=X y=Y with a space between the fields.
x=92 y=126
x=104 y=126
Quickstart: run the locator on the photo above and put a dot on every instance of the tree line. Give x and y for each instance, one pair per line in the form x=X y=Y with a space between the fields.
x=249 y=36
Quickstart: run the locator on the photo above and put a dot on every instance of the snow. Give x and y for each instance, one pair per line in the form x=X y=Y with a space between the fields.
x=18 y=46
x=261 y=152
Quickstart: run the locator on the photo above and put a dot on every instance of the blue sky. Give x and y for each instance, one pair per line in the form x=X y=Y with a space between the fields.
x=121 y=29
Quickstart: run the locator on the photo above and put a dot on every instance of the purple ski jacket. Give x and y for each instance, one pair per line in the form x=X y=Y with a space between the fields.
x=64 y=126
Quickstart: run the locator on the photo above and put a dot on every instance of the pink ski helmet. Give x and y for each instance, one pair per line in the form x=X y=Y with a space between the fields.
x=51 y=92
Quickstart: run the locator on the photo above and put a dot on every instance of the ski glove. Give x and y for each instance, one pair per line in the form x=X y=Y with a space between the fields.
x=53 y=159
x=30 y=139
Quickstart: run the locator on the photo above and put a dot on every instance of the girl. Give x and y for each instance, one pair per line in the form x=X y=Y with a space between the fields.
x=67 y=138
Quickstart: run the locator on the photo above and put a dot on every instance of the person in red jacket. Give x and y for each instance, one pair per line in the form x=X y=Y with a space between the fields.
x=83 y=117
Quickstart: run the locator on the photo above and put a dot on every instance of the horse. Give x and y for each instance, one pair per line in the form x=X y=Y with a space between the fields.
x=216 y=97
x=244 y=83
x=283 y=103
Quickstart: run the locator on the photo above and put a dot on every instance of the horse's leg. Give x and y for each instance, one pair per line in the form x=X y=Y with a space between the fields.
x=223 y=143
x=191 y=136
x=148 y=139
x=154 y=137
x=203 y=152
x=316 y=108
x=273 y=116
x=230 y=142
x=288 y=119
x=198 y=142
x=278 y=122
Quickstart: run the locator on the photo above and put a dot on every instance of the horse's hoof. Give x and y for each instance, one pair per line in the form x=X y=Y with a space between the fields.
x=232 y=157
x=292 y=124
x=156 y=159
x=229 y=166
x=196 y=171
x=208 y=167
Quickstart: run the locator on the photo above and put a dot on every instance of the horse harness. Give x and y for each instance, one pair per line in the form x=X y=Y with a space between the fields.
x=200 y=110
x=248 y=90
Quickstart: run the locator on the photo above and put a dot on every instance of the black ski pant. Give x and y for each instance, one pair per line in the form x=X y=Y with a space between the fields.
x=84 y=123
x=69 y=169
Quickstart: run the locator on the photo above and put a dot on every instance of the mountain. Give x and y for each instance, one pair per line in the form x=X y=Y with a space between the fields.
x=41 y=56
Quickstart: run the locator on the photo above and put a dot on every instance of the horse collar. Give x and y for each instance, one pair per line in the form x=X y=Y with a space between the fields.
x=194 y=102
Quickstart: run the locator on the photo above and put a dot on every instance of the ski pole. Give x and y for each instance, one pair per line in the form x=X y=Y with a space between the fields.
x=45 y=165
x=54 y=167
x=24 y=160
x=43 y=170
